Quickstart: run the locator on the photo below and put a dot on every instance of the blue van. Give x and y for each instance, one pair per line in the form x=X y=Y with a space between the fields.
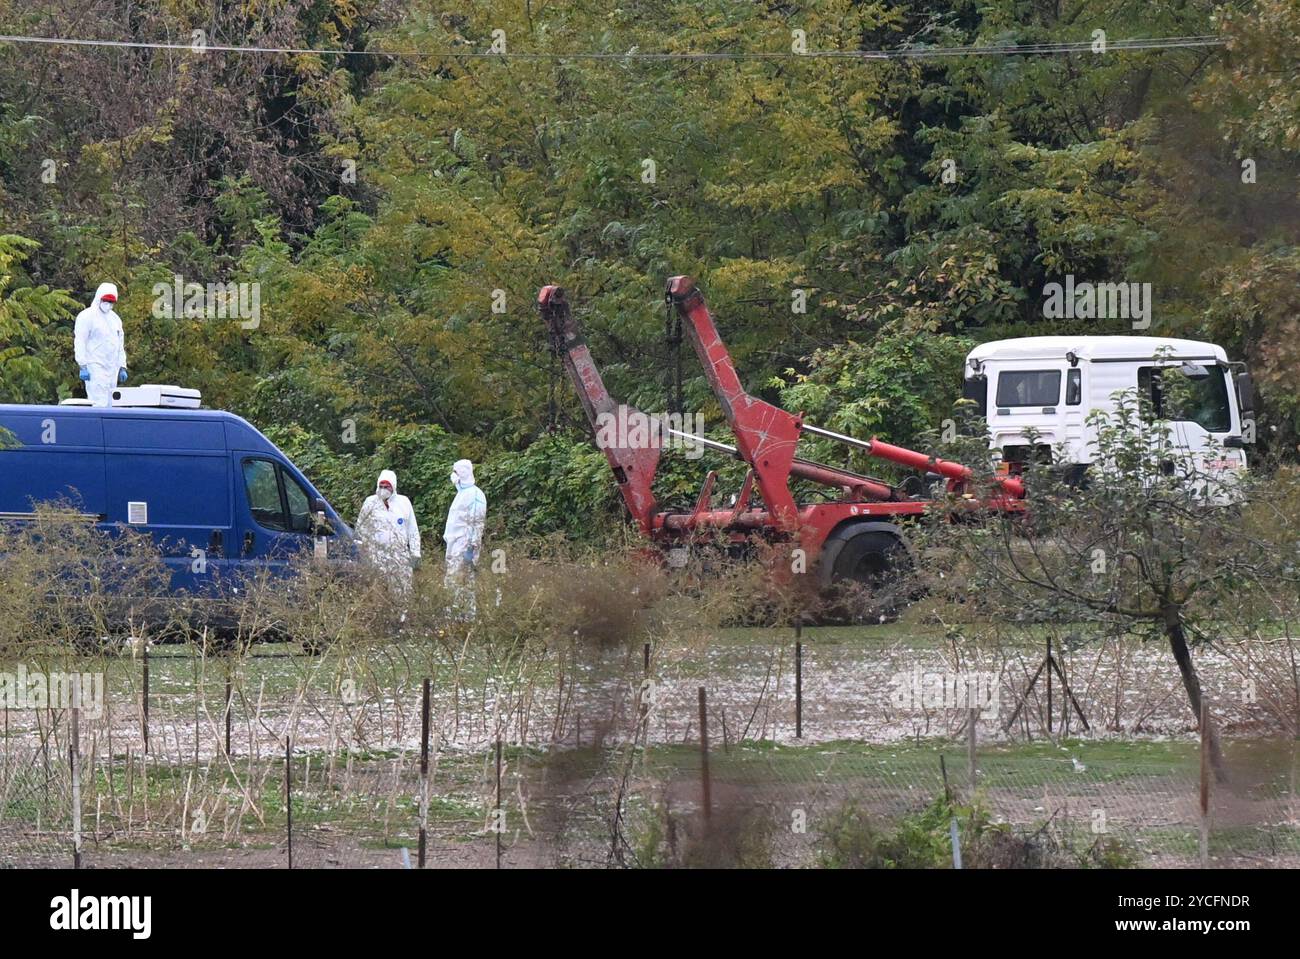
x=201 y=483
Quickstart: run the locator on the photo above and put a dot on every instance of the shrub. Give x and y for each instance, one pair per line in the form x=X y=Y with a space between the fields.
x=923 y=840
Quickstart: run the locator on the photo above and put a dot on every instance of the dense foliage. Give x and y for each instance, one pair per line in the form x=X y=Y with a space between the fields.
x=399 y=213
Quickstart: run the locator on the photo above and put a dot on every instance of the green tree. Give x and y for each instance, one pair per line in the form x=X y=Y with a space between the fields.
x=26 y=315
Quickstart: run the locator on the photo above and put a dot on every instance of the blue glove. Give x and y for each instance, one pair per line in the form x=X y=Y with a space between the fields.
x=121 y=375
x=471 y=555
x=85 y=373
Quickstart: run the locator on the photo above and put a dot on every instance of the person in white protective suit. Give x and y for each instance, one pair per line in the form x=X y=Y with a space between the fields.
x=464 y=535
x=99 y=347
x=389 y=534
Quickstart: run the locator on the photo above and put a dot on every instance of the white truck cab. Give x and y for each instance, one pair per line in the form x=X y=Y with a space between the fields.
x=1049 y=385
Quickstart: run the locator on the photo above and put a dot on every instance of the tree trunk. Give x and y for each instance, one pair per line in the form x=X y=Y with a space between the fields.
x=1192 y=683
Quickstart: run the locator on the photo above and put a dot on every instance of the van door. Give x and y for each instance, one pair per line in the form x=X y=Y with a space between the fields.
x=274 y=514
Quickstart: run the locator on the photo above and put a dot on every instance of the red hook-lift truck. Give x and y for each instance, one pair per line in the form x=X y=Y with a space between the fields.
x=858 y=537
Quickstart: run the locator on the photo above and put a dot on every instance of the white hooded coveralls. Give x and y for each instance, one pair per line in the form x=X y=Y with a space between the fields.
x=99 y=346
x=465 y=518
x=389 y=533
x=464 y=537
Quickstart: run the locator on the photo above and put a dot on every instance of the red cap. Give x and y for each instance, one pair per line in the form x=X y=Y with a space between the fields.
x=109 y=297
x=386 y=483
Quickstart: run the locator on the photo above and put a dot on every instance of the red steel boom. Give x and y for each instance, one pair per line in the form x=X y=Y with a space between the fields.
x=853 y=537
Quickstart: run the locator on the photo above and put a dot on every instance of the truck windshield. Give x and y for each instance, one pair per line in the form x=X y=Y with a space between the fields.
x=1190 y=399
x=1029 y=387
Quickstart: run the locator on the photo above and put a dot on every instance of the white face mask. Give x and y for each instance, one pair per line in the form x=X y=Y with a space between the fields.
x=105 y=307
x=385 y=493
x=455 y=481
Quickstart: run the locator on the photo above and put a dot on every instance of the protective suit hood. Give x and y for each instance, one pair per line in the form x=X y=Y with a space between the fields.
x=462 y=473
x=388 y=475
x=110 y=288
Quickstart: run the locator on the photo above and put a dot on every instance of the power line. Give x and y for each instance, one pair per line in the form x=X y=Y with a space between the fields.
x=635 y=54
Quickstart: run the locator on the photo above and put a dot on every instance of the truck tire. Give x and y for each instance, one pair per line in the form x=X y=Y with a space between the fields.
x=870 y=558
x=867 y=572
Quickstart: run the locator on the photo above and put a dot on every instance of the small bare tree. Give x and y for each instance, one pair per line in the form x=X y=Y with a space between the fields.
x=1155 y=540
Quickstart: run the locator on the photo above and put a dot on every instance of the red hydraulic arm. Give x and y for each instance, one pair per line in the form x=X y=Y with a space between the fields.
x=634 y=467
x=766 y=438
x=956 y=474
x=766 y=435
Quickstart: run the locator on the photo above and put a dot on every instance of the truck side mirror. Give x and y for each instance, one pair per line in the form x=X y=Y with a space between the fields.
x=1245 y=393
x=976 y=388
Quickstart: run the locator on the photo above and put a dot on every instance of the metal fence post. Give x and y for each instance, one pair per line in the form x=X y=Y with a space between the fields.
x=74 y=761
x=798 y=680
x=970 y=747
x=705 y=785
x=1049 y=684
x=144 y=700
x=498 y=823
x=1205 y=782
x=424 y=773
x=228 y=710
x=288 y=796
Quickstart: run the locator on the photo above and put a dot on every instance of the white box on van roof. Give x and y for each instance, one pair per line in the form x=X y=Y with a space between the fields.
x=154 y=395
x=151 y=395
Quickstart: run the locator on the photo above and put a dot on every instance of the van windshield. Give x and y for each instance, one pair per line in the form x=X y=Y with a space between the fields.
x=1029 y=387
x=1174 y=395
x=299 y=504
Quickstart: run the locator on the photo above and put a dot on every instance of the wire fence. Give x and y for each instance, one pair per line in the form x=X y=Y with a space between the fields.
x=624 y=756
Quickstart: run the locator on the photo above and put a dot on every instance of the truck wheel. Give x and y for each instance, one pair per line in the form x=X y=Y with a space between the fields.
x=870 y=573
x=870 y=558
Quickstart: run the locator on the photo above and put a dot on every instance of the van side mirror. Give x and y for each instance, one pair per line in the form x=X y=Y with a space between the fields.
x=1245 y=393
x=321 y=523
